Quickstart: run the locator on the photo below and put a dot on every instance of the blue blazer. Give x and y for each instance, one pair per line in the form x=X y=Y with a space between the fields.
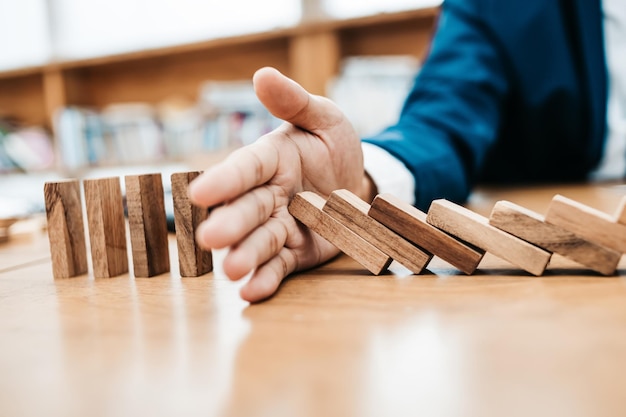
x=512 y=91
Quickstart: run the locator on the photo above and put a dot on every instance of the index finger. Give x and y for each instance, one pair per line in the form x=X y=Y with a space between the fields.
x=243 y=170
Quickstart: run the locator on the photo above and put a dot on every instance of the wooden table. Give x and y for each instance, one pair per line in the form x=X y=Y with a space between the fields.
x=334 y=341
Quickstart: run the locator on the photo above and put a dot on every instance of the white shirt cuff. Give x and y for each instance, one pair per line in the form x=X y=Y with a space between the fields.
x=388 y=173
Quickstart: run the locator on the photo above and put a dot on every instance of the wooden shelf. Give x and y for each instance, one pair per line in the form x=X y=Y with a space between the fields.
x=309 y=53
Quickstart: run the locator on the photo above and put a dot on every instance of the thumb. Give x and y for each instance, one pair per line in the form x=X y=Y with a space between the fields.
x=289 y=101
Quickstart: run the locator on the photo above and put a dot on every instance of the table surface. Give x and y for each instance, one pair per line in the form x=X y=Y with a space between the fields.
x=334 y=341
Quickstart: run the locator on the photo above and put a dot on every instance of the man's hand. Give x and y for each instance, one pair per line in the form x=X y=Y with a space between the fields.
x=316 y=149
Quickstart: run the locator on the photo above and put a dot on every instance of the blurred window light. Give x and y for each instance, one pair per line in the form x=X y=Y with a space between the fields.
x=99 y=27
x=350 y=8
x=24 y=33
x=75 y=29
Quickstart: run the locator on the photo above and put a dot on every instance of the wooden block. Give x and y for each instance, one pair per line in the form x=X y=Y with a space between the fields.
x=147 y=224
x=193 y=260
x=307 y=208
x=620 y=215
x=586 y=222
x=530 y=226
x=66 y=230
x=410 y=223
x=475 y=229
x=349 y=210
x=107 y=226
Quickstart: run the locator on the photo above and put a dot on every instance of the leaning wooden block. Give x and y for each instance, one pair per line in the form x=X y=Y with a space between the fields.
x=349 y=210
x=107 y=227
x=587 y=222
x=530 y=226
x=193 y=260
x=475 y=229
x=620 y=215
x=147 y=224
x=307 y=208
x=66 y=230
x=410 y=223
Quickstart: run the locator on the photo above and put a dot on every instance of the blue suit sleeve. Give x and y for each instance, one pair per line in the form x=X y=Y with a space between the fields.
x=452 y=115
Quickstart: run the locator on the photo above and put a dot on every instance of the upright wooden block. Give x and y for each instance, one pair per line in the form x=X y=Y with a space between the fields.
x=147 y=224
x=410 y=223
x=587 y=222
x=349 y=210
x=193 y=260
x=307 y=208
x=107 y=226
x=66 y=230
x=475 y=229
x=530 y=226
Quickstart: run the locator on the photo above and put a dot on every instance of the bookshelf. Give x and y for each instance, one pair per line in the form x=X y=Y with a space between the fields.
x=310 y=53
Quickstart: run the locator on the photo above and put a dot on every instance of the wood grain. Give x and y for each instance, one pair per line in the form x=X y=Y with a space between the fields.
x=332 y=342
x=475 y=229
x=307 y=207
x=147 y=224
x=410 y=223
x=192 y=259
x=530 y=226
x=587 y=222
x=349 y=210
x=66 y=231
x=107 y=226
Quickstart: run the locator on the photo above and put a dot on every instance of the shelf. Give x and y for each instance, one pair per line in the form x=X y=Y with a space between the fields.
x=310 y=53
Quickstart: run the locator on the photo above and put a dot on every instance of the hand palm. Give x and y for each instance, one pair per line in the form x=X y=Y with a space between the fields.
x=315 y=149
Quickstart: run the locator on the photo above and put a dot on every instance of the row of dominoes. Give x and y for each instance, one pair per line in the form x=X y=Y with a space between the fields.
x=107 y=226
x=390 y=229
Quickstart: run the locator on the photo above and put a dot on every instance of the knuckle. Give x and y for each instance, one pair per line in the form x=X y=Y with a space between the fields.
x=274 y=243
x=263 y=203
x=257 y=166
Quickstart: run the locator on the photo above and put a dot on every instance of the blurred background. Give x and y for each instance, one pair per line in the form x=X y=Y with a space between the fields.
x=119 y=87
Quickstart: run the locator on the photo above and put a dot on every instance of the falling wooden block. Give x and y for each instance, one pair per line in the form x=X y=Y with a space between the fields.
x=66 y=230
x=307 y=208
x=147 y=224
x=193 y=260
x=107 y=227
x=530 y=226
x=410 y=223
x=588 y=223
x=476 y=230
x=349 y=210
x=620 y=215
